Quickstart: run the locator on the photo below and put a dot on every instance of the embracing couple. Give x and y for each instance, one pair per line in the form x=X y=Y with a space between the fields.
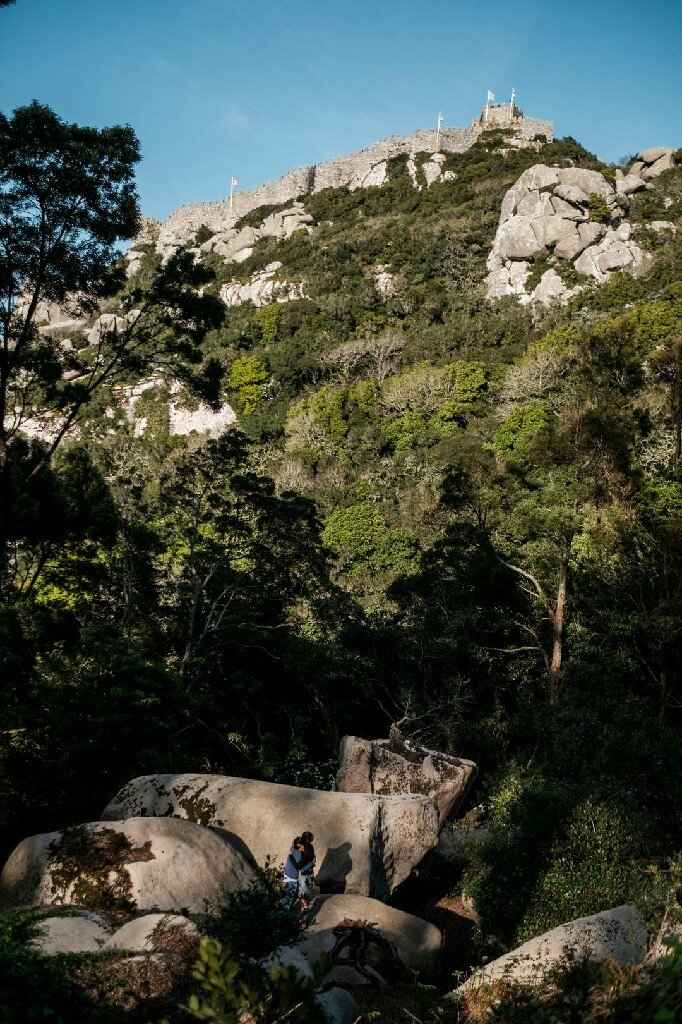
x=299 y=869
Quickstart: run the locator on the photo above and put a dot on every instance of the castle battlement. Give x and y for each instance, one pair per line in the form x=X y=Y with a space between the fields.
x=510 y=116
x=356 y=170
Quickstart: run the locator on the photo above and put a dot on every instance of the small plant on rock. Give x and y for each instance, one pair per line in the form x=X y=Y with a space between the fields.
x=232 y=992
x=599 y=210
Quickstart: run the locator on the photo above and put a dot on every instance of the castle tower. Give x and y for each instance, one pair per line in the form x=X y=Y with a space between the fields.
x=499 y=115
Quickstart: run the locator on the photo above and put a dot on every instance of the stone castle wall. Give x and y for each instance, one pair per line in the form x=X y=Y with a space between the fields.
x=347 y=171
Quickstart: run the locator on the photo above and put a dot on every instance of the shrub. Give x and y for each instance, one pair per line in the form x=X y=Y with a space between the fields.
x=539 y=266
x=596 y=863
x=247 y=379
x=599 y=210
x=232 y=991
x=203 y=234
x=254 y=218
x=524 y=433
x=256 y=920
x=268 y=319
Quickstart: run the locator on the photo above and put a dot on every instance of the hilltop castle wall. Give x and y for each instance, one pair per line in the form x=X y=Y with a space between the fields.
x=352 y=171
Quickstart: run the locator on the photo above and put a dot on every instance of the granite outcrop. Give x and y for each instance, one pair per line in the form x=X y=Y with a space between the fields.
x=577 y=220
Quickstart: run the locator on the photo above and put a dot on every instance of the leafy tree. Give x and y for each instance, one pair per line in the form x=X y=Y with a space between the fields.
x=235 y=556
x=247 y=379
x=67 y=196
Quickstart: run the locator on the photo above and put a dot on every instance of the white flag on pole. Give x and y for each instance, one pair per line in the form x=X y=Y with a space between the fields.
x=491 y=96
x=234 y=182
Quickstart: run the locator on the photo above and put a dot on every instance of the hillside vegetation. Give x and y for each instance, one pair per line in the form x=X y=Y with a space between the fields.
x=460 y=516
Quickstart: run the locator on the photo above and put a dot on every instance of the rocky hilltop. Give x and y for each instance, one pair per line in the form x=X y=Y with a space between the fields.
x=361 y=169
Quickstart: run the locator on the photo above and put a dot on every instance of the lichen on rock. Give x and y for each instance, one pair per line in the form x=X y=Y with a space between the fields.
x=90 y=868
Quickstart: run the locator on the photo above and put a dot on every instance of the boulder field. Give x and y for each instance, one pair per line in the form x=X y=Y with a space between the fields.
x=170 y=846
x=365 y=844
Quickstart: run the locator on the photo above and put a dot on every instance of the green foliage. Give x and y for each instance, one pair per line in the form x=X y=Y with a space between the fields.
x=579 y=830
x=595 y=862
x=230 y=990
x=599 y=210
x=202 y=235
x=268 y=319
x=247 y=378
x=254 y=218
x=362 y=540
x=524 y=434
x=257 y=920
x=334 y=415
x=538 y=267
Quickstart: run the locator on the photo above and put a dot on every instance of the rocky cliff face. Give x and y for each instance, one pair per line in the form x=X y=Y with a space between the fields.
x=577 y=219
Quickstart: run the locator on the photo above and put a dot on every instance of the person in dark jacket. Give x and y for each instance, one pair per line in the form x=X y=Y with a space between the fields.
x=292 y=871
x=306 y=871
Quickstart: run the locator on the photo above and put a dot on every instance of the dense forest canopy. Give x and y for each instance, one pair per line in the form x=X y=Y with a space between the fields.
x=458 y=515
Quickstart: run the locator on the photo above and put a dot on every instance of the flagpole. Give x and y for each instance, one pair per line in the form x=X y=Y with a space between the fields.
x=231 y=192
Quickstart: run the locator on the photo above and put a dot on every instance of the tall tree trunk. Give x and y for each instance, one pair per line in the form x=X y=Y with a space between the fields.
x=558 y=618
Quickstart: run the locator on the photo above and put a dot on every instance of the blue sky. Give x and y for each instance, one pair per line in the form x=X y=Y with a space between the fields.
x=216 y=87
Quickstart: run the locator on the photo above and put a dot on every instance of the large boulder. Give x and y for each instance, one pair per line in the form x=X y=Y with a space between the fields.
x=517 y=240
x=550 y=289
x=141 y=863
x=262 y=289
x=106 y=325
x=365 y=844
x=389 y=767
x=652 y=162
x=157 y=933
x=338 y=1006
x=80 y=932
x=630 y=183
x=619 y=934
x=416 y=943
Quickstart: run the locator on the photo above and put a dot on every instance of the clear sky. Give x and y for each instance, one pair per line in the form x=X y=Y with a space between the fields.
x=256 y=87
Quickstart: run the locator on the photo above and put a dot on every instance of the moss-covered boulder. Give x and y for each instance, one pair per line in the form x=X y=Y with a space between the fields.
x=136 y=864
x=365 y=844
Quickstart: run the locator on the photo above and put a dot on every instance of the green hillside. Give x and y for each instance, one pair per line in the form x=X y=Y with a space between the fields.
x=459 y=516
